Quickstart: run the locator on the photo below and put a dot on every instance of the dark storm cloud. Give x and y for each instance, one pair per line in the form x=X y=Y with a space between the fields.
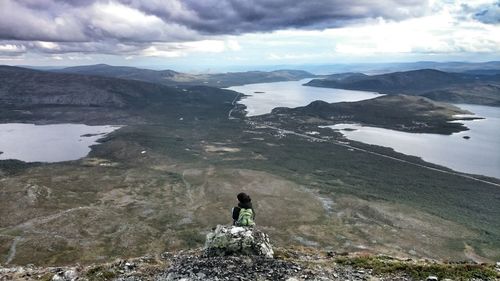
x=15 y=48
x=84 y=21
x=175 y=20
x=243 y=16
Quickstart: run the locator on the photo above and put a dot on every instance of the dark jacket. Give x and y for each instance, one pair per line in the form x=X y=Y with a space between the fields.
x=236 y=210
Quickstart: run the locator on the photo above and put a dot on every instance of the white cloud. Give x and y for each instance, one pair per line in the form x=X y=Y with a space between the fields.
x=120 y=21
x=233 y=45
x=136 y=29
x=79 y=57
x=155 y=51
x=11 y=48
x=48 y=45
x=442 y=32
x=206 y=46
x=11 y=51
x=20 y=22
x=172 y=50
x=296 y=56
x=7 y=59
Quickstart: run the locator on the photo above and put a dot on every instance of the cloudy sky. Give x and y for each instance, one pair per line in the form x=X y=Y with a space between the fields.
x=196 y=34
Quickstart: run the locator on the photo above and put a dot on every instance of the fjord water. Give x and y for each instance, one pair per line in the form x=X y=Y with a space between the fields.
x=263 y=97
x=480 y=154
x=49 y=143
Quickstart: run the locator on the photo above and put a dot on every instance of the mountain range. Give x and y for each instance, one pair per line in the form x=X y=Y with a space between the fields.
x=490 y=67
x=41 y=96
x=431 y=83
x=172 y=171
x=170 y=77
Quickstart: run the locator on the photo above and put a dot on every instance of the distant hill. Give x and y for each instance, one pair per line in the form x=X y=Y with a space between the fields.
x=85 y=97
x=21 y=86
x=483 y=71
x=380 y=68
x=115 y=71
x=415 y=80
x=434 y=84
x=173 y=78
x=345 y=76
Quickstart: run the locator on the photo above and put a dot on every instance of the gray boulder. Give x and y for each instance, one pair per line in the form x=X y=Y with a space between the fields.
x=68 y=275
x=236 y=240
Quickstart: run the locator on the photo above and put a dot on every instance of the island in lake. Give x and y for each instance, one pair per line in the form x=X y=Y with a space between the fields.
x=399 y=112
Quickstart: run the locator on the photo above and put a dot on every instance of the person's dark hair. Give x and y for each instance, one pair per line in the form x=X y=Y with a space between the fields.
x=243 y=197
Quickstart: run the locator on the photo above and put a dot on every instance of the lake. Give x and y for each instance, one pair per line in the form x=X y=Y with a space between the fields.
x=480 y=154
x=263 y=97
x=49 y=143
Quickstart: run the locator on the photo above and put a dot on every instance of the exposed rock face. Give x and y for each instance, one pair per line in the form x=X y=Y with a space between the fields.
x=235 y=240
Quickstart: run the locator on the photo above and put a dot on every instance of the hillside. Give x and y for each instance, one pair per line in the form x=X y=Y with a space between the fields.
x=398 y=112
x=160 y=182
x=435 y=84
x=23 y=87
x=38 y=95
x=171 y=78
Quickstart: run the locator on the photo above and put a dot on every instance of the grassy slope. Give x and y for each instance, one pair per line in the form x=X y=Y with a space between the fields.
x=168 y=197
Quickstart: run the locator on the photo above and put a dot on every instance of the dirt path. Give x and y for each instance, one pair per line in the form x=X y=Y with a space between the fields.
x=12 y=250
x=189 y=191
x=235 y=100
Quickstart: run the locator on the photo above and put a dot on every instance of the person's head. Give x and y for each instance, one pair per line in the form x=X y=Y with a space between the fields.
x=243 y=197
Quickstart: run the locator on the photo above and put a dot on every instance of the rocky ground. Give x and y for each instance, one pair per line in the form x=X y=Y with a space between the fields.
x=304 y=265
x=162 y=181
x=236 y=253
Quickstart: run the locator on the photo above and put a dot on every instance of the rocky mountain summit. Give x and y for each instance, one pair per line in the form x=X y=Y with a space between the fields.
x=226 y=241
x=237 y=253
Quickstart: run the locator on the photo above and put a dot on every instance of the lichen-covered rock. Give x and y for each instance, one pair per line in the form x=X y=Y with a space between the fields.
x=236 y=240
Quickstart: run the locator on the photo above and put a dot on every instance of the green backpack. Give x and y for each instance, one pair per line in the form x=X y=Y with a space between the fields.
x=245 y=218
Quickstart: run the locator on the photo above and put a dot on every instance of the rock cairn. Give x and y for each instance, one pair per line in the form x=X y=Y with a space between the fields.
x=235 y=240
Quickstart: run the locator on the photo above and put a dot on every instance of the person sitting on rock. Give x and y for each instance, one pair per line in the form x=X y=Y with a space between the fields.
x=243 y=214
